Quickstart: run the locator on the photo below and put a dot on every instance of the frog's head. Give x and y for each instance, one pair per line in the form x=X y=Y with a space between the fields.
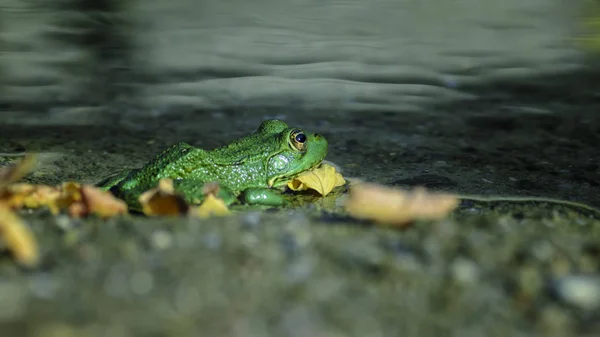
x=299 y=151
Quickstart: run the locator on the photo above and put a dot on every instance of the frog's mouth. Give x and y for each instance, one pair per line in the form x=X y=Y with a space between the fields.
x=282 y=180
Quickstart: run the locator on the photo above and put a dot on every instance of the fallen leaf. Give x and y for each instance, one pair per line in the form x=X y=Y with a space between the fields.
x=29 y=196
x=15 y=172
x=18 y=237
x=163 y=200
x=77 y=199
x=99 y=202
x=166 y=186
x=323 y=180
x=398 y=207
x=211 y=206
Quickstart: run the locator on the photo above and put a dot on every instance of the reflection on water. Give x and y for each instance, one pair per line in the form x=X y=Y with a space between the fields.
x=346 y=55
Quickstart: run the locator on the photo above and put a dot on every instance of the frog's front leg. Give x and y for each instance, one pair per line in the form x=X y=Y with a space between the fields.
x=262 y=196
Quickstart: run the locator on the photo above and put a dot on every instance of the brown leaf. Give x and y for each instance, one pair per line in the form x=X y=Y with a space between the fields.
x=397 y=207
x=101 y=203
x=163 y=200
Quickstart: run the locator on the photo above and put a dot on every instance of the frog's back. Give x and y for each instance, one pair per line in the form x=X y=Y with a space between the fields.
x=238 y=165
x=175 y=162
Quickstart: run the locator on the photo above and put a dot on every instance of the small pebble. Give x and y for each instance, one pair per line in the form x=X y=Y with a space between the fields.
x=251 y=220
x=581 y=291
x=116 y=283
x=542 y=250
x=14 y=301
x=141 y=282
x=162 y=240
x=300 y=270
x=465 y=271
x=65 y=223
x=55 y=329
x=213 y=240
x=531 y=281
x=249 y=240
x=300 y=321
x=440 y=164
x=43 y=286
x=554 y=321
x=187 y=299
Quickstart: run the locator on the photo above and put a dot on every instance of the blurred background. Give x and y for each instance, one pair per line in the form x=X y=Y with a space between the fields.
x=91 y=61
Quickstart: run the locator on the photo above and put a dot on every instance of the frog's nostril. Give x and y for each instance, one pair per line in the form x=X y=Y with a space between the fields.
x=317 y=135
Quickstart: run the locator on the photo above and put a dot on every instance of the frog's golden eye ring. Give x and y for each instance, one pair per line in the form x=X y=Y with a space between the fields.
x=298 y=140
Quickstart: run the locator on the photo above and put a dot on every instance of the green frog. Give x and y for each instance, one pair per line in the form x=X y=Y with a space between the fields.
x=248 y=170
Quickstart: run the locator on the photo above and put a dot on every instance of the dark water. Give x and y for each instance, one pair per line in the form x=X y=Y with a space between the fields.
x=149 y=58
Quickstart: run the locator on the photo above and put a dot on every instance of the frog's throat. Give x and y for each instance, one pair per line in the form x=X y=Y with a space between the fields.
x=273 y=181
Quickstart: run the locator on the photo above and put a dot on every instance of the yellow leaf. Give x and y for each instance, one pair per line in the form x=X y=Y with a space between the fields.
x=163 y=200
x=17 y=171
x=212 y=206
x=18 y=237
x=31 y=196
x=398 y=207
x=323 y=180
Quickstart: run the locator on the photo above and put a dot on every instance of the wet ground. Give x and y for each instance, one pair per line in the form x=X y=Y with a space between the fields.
x=489 y=269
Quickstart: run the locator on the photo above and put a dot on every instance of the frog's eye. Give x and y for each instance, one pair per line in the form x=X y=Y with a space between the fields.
x=298 y=139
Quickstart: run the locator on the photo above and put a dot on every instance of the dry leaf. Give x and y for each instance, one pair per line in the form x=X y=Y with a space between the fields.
x=14 y=173
x=30 y=196
x=99 y=202
x=211 y=206
x=323 y=180
x=398 y=207
x=166 y=186
x=18 y=237
x=163 y=200
x=77 y=199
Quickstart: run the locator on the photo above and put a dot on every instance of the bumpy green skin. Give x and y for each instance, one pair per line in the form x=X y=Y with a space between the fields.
x=248 y=168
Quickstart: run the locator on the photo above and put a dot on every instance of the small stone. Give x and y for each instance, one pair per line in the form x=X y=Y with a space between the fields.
x=213 y=240
x=542 y=250
x=251 y=220
x=465 y=271
x=561 y=266
x=440 y=164
x=162 y=240
x=299 y=321
x=531 y=281
x=300 y=270
x=44 y=286
x=116 y=283
x=64 y=222
x=581 y=291
x=141 y=282
x=554 y=321
x=249 y=240
x=55 y=330
x=14 y=301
